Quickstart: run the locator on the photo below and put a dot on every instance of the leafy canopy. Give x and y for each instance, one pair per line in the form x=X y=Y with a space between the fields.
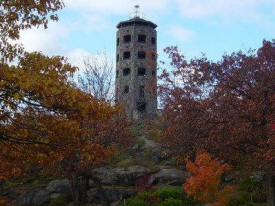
x=18 y=15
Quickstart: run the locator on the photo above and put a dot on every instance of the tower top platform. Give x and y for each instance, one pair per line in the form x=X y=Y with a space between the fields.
x=136 y=21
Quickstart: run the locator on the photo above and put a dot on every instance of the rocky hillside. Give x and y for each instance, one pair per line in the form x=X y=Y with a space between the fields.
x=142 y=165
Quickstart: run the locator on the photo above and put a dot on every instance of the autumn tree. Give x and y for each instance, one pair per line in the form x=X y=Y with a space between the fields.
x=15 y=16
x=205 y=182
x=46 y=123
x=224 y=107
x=59 y=129
x=18 y=15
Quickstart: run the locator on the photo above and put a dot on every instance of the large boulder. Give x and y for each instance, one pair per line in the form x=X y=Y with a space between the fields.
x=113 y=194
x=169 y=176
x=58 y=186
x=33 y=196
x=120 y=176
x=42 y=194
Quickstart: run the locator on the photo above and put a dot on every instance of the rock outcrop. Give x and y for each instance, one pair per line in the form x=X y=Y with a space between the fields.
x=118 y=184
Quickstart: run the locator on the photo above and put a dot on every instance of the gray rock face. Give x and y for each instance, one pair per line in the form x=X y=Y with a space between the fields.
x=43 y=194
x=118 y=184
x=33 y=196
x=114 y=194
x=169 y=176
x=41 y=197
x=121 y=176
x=58 y=186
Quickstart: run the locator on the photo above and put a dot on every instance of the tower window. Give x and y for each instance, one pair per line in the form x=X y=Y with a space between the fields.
x=153 y=72
x=141 y=91
x=126 y=89
x=127 y=38
x=142 y=38
x=117 y=41
x=126 y=55
x=117 y=57
x=141 y=55
x=141 y=71
x=117 y=73
x=153 y=57
x=141 y=106
x=126 y=71
x=153 y=40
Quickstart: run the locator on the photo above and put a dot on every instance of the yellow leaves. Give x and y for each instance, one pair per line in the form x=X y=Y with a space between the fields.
x=17 y=96
x=57 y=127
x=31 y=14
x=90 y=157
x=3 y=202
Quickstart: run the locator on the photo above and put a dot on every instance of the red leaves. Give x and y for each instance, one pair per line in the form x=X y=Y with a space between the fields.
x=224 y=107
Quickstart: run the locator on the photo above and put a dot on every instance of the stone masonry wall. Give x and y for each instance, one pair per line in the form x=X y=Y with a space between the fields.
x=133 y=80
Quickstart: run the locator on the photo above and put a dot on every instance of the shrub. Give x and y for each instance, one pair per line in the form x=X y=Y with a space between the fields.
x=166 y=193
x=255 y=188
x=243 y=199
x=137 y=130
x=169 y=196
x=171 y=202
x=251 y=192
x=136 y=202
x=59 y=201
x=148 y=197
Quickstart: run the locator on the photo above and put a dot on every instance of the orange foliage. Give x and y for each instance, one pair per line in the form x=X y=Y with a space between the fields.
x=3 y=202
x=48 y=124
x=17 y=15
x=205 y=182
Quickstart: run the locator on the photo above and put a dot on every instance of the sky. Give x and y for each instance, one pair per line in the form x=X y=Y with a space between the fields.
x=212 y=27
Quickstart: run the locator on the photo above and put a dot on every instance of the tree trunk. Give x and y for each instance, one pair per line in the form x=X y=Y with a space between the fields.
x=75 y=195
x=101 y=191
x=271 y=189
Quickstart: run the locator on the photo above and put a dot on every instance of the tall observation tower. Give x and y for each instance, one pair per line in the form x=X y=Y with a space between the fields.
x=136 y=77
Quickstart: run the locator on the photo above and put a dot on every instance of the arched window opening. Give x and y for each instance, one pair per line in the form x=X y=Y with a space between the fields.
x=127 y=38
x=141 y=71
x=126 y=55
x=153 y=40
x=141 y=55
x=126 y=71
x=154 y=57
x=141 y=91
x=141 y=106
x=126 y=89
x=142 y=38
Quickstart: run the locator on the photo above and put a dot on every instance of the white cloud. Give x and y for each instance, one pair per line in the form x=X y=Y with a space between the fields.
x=181 y=33
x=225 y=10
x=47 y=41
x=121 y=7
x=77 y=57
x=247 y=10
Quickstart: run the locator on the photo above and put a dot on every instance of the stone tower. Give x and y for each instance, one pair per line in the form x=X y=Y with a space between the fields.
x=136 y=77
